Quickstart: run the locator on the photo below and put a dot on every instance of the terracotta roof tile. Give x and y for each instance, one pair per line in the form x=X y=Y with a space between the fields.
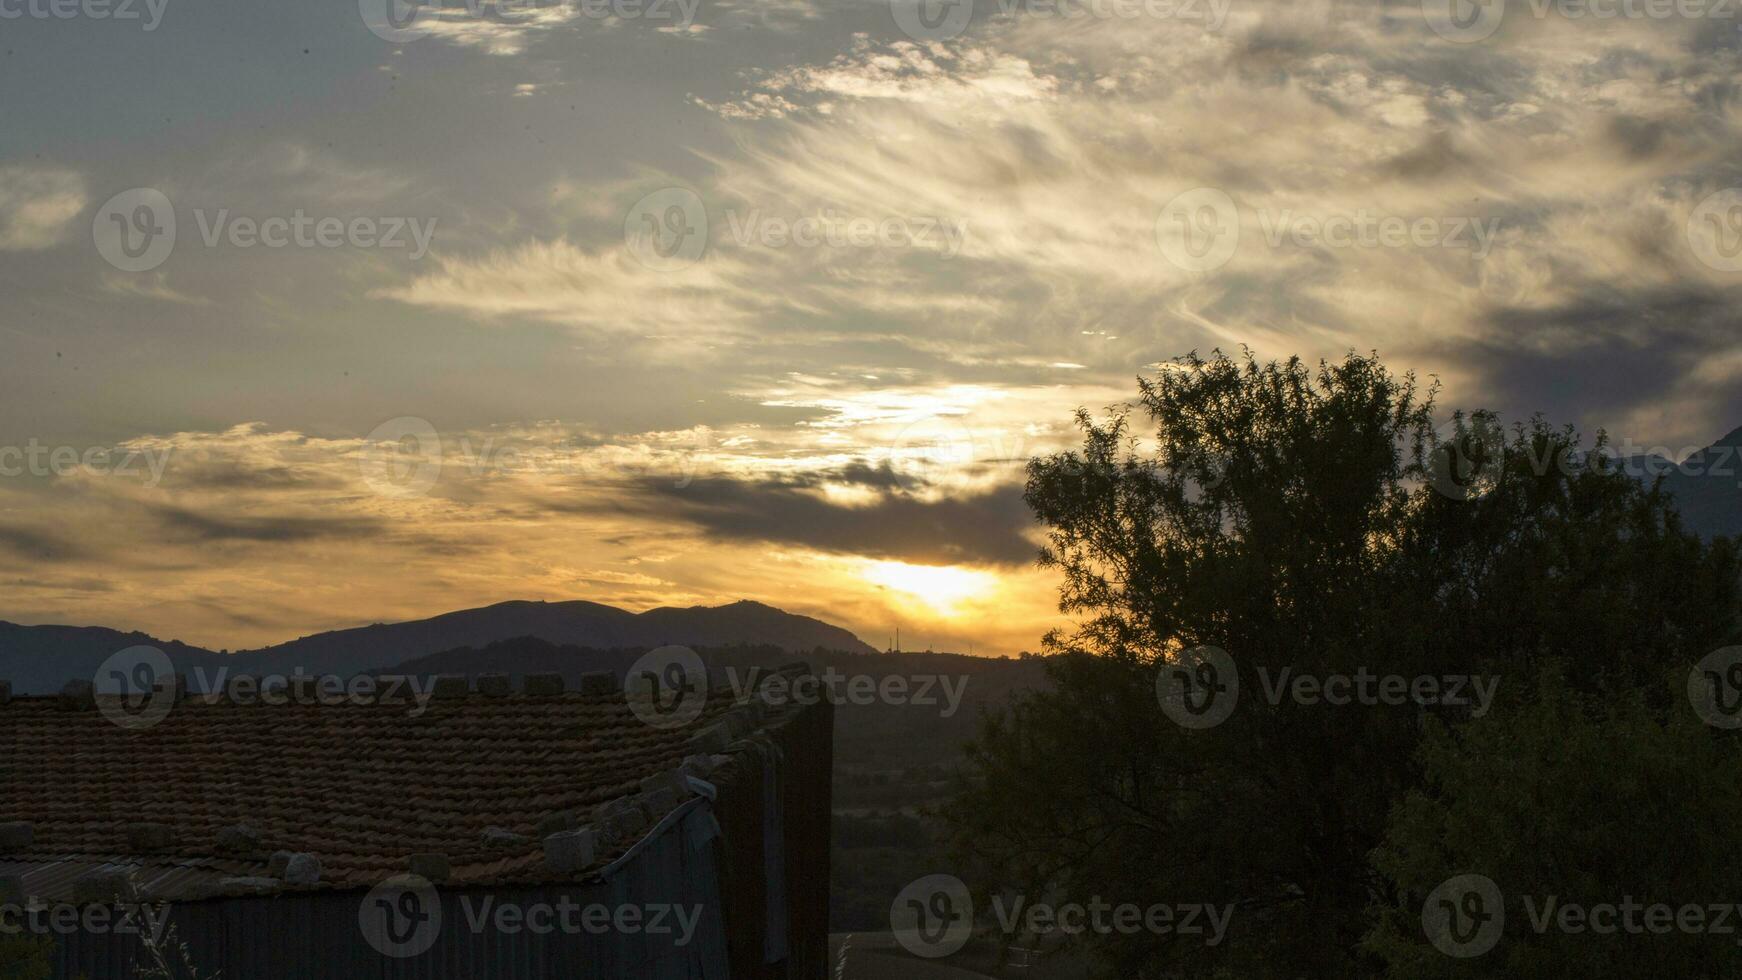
x=360 y=786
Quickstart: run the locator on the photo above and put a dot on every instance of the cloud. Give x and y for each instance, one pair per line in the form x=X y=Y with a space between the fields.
x=296 y=172
x=495 y=30
x=154 y=286
x=279 y=532
x=1664 y=359
x=983 y=529
x=38 y=545
x=38 y=206
x=606 y=290
x=271 y=528
x=756 y=419
x=1558 y=161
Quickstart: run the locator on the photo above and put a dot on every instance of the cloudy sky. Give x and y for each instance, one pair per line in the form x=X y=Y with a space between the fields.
x=658 y=302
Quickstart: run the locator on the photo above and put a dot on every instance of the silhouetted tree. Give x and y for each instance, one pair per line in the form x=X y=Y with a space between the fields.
x=1310 y=522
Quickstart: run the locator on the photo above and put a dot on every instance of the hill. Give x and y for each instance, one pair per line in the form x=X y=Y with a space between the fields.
x=944 y=693
x=39 y=659
x=1707 y=486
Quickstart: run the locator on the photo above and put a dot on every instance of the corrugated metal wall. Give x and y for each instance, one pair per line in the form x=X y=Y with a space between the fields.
x=318 y=936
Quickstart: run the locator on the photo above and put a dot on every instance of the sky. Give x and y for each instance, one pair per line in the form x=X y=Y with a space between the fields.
x=320 y=314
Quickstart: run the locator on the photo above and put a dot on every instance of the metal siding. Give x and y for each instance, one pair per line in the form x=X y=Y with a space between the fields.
x=316 y=936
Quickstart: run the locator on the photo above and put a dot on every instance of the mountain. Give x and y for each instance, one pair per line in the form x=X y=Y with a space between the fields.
x=39 y=659
x=1707 y=486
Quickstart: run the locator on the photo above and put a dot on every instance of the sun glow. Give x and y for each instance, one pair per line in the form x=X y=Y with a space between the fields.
x=944 y=589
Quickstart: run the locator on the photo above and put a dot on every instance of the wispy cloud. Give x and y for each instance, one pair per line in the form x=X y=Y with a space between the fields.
x=38 y=206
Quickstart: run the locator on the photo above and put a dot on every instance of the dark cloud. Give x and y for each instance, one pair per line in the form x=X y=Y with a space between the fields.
x=227 y=475
x=984 y=528
x=1434 y=158
x=270 y=529
x=1592 y=360
x=37 y=545
x=1639 y=138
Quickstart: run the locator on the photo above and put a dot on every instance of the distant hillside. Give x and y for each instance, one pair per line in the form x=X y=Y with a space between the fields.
x=577 y=623
x=39 y=659
x=1707 y=486
x=933 y=720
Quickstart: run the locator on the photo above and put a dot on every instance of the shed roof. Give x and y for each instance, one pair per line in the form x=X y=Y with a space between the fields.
x=361 y=786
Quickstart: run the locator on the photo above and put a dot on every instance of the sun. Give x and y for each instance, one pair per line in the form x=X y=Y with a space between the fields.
x=942 y=588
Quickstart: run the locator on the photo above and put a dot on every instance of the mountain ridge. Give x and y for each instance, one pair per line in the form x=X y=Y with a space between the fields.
x=39 y=659
x=1706 y=486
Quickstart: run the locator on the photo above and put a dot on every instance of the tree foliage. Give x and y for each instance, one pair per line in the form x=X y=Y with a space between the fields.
x=1310 y=520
